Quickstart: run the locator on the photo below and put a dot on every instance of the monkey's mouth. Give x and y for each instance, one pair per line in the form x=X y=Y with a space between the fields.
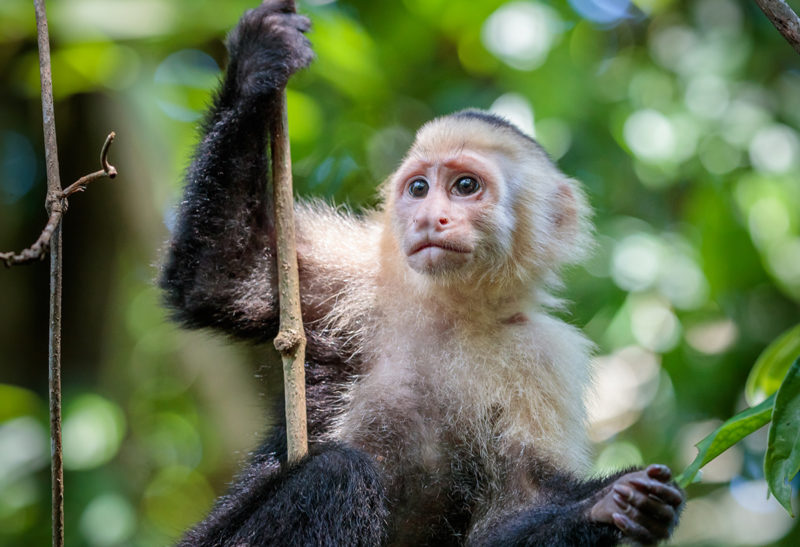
x=444 y=245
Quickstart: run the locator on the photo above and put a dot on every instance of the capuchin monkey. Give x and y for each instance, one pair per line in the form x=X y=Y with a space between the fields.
x=445 y=404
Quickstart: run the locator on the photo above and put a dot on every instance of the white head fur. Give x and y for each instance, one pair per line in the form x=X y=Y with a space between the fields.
x=532 y=220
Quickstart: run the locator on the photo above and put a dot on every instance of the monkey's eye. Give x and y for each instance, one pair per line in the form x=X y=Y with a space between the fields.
x=418 y=188
x=466 y=186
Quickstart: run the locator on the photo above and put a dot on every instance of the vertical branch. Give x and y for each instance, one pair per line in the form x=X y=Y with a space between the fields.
x=53 y=203
x=291 y=341
x=54 y=376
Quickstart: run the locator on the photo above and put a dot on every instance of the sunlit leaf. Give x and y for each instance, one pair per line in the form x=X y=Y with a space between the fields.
x=770 y=368
x=727 y=435
x=782 y=460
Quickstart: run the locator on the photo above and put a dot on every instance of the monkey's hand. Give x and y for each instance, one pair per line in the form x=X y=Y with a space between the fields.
x=266 y=48
x=644 y=505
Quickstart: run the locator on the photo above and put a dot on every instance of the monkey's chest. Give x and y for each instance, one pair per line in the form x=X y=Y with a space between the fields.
x=433 y=475
x=449 y=412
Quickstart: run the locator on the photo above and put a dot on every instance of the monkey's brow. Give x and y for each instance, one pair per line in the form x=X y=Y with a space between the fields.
x=453 y=159
x=422 y=166
x=456 y=163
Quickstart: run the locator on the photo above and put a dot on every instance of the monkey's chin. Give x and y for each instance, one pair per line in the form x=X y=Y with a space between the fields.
x=436 y=261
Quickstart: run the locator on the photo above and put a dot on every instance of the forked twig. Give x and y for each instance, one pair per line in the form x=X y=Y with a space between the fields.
x=58 y=206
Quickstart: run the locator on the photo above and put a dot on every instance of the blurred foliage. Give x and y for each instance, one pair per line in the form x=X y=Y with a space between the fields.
x=772 y=365
x=782 y=460
x=680 y=117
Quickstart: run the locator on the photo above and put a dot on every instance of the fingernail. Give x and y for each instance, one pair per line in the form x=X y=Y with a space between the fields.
x=655 y=498
x=620 y=501
x=623 y=491
x=659 y=470
x=619 y=520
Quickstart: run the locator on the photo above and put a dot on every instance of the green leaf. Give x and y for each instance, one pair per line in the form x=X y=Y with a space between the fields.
x=725 y=436
x=770 y=369
x=782 y=460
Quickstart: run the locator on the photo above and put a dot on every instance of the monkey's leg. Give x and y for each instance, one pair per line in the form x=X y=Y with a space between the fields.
x=332 y=497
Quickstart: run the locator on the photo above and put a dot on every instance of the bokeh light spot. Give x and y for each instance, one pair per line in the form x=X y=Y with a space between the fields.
x=554 y=135
x=625 y=383
x=521 y=34
x=516 y=109
x=636 y=261
x=707 y=95
x=768 y=219
x=92 y=433
x=650 y=135
x=784 y=259
x=109 y=519
x=743 y=118
x=23 y=448
x=671 y=45
x=775 y=149
x=712 y=337
x=682 y=280
x=654 y=324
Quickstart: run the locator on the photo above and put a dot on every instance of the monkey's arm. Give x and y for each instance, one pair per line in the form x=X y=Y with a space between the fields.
x=641 y=506
x=220 y=269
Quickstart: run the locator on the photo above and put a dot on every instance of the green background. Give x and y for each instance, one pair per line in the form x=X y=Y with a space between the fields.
x=680 y=118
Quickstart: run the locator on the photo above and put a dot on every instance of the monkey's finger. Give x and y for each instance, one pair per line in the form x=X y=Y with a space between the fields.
x=290 y=20
x=664 y=491
x=291 y=29
x=659 y=472
x=657 y=529
x=283 y=6
x=301 y=22
x=648 y=505
x=633 y=529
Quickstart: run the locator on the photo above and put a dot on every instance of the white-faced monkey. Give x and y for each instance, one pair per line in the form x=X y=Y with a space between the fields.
x=445 y=403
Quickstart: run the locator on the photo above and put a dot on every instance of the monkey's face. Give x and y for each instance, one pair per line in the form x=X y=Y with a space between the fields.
x=476 y=201
x=441 y=207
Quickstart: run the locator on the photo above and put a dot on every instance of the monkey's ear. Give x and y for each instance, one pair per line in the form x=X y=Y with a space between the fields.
x=570 y=225
x=565 y=215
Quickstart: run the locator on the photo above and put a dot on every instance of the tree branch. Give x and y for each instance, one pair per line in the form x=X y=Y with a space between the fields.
x=58 y=206
x=784 y=19
x=54 y=206
x=50 y=238
x=291 y=340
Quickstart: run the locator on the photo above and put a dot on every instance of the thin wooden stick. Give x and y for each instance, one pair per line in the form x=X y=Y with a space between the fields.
x=291 y=340
x=53 y=204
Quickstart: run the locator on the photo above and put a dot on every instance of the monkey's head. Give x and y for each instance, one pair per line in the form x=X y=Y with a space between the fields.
x=477 y=199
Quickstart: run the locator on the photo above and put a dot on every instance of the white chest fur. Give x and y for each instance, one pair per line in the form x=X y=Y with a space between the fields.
x=508 y=387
